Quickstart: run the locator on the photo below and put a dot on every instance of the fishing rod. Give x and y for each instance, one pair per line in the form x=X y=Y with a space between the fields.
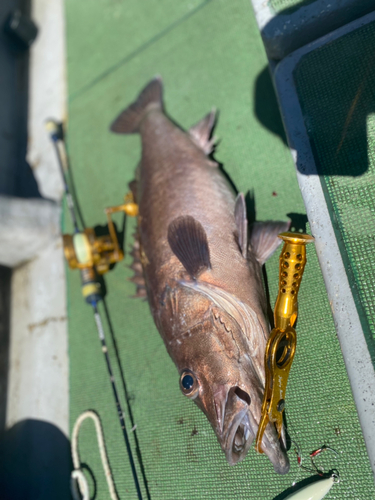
x=94 y=255
x=56 y=135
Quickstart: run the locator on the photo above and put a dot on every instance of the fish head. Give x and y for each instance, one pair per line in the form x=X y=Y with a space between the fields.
x=225 y=378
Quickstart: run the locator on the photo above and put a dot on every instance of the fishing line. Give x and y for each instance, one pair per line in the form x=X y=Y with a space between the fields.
x=127 y=399
x=120 y=413
x=92 y=295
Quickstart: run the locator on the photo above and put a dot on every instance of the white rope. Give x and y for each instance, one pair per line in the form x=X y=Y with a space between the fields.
x=77 y=474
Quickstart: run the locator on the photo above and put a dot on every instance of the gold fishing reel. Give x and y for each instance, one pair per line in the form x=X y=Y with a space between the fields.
x=281 y=345
x=85 y=250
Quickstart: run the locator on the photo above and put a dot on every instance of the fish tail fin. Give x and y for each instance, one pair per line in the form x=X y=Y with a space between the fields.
x=129 y=120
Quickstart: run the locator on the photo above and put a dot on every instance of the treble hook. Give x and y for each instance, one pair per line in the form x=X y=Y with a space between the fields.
x=319 y=488
x=297 y=451
x=317 y=452
x=312 y=455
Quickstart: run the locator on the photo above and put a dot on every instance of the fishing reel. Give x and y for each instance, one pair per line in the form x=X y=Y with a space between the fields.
x=87 y=250
x=93 y=254
x=281 y=345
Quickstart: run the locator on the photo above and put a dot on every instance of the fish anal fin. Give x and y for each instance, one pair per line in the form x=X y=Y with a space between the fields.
x=128 y=122
x=188 y=241
x=240 y=216
x=138 y=277
x=138 y=280
x=200 y=133
x=141 y=293
x=264 y=238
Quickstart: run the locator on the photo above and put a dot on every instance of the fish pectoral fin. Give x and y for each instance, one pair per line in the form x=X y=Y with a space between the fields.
x=188 y=241
x=129 y=120
x=240 y=216
x=201 y=133
x=264 y=238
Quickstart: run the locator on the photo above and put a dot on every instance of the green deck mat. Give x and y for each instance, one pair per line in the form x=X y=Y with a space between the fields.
x=336 y=88
x=210 y=54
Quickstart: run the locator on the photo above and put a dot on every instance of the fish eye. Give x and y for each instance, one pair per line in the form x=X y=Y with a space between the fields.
x=189 y=384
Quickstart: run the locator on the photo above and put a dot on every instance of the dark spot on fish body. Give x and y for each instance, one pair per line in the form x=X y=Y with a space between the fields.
x=180 y=421
x=194 y=432
x=274 y=193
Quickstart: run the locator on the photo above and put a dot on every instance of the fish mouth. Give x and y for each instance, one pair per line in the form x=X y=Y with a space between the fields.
x=235 y=434
x=238 y=440
x=240 y=427
x=241 y=436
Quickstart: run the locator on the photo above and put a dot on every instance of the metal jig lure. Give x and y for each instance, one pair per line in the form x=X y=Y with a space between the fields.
x=314 y=491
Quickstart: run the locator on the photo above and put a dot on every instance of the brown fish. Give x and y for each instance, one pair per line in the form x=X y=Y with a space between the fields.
x=203 y=277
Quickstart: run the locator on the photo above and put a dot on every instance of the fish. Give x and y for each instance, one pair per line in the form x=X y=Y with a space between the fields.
x=200 y=268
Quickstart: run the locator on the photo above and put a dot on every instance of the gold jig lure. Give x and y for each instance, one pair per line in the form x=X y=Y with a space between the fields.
x=281 y=345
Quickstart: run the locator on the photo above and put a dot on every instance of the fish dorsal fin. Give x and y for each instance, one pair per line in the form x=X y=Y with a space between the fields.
x=188 y=241
x=129 y=120
x=264 y=238
x=241 y=223
x=201 y=132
